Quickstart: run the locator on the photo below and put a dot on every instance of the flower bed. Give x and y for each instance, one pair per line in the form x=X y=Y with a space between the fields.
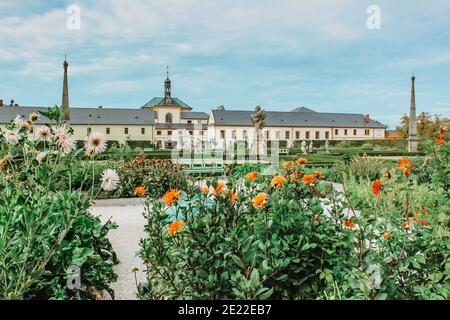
x=269 y=238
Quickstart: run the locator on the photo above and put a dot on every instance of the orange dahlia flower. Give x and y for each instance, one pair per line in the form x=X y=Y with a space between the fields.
x=309 y=179
x=301 y=161
x=260 y=200
x=288 y=165
x=278 y=181
x=175 y=227
x=387 y=235
x=171 y=197
x=252 y=176
x=376 y=187
x=439 y=142
x=139 y=191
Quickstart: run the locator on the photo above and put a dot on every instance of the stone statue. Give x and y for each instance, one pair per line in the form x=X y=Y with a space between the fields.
x=221 y=108
x=303 y=147
x=311 y=146
x=258 y=121
x=327 y=146
x=258 y=118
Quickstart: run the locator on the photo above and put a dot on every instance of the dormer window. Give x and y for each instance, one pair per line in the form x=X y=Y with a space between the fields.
x=169 y=118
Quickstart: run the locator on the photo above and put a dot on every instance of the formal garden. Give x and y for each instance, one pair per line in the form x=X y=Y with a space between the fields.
x=358 y=221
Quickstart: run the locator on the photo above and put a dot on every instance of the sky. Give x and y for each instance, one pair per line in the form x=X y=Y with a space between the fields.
x=279 y=54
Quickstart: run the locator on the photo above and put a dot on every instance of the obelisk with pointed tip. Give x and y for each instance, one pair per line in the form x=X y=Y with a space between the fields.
x=413 y=141
x=65 y=95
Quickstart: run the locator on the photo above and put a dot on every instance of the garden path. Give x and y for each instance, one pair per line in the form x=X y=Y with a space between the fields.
x=127 y=213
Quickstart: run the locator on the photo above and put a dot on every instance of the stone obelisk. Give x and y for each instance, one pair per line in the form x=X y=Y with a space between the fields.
x=65 y=95
x=413 y=141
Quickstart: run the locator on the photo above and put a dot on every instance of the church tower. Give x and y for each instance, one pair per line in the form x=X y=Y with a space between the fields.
x=168 y=89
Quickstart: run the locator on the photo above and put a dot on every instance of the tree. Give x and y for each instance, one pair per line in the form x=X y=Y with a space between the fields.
x=427 y=125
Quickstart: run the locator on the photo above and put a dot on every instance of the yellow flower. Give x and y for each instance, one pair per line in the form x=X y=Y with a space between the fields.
x=278 y=181
x=175 y=227
x=171 y=197
x=260 y=200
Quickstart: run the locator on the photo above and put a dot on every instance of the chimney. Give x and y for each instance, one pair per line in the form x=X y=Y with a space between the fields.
x=11 y=103
x=366 y=118
x=1 y=103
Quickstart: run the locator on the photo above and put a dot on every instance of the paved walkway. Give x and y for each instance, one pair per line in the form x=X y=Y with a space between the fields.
x=127 y=213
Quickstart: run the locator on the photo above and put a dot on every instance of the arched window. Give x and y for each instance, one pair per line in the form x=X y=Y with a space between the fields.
x=169 y=118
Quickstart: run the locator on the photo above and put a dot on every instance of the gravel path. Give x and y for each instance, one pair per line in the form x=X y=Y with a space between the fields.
x=127 y=213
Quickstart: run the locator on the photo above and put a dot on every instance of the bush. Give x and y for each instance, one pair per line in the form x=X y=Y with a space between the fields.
x=156 y=175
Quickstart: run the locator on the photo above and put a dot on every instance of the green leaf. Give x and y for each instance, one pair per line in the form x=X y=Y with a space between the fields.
x=266 y=295
x=254 y=277
x=247 y=244
x=238 y=261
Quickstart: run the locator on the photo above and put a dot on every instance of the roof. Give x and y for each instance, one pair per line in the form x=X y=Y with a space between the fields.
x=158 y=101
x=86 y=116
x=296 y=119
x=194 y=115
x=302 y=109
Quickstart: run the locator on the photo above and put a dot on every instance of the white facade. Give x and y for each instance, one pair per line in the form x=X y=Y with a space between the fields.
x=225 y=134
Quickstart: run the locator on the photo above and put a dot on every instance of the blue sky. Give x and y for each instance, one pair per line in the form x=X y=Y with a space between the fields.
x=278 y=54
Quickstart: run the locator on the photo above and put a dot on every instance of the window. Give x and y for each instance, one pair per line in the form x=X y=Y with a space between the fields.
x=345 y=132
x=142 y=130
x=89 y=130
x=307 y=134
x=201 y=132
x=297 y=135
x=317 y=135
x=287 y=135
x=169 y=133
x=327 y=135
x=245 y=134
x=158 y=133
x=108 y=130
x=267 y=135
x=126 y=130
x=336 y=132
x=169 y=118
x=222 y=134
x=355 y=132
x=367 y=132
x=199 y=121
x=191 y=132
x=189 y=121
x=233 y=134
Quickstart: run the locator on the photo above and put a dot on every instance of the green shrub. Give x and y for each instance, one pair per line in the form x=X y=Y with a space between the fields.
x=157 y=176
x=362 y=167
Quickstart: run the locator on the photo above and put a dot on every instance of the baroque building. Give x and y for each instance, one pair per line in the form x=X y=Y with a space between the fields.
x=168 y=122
